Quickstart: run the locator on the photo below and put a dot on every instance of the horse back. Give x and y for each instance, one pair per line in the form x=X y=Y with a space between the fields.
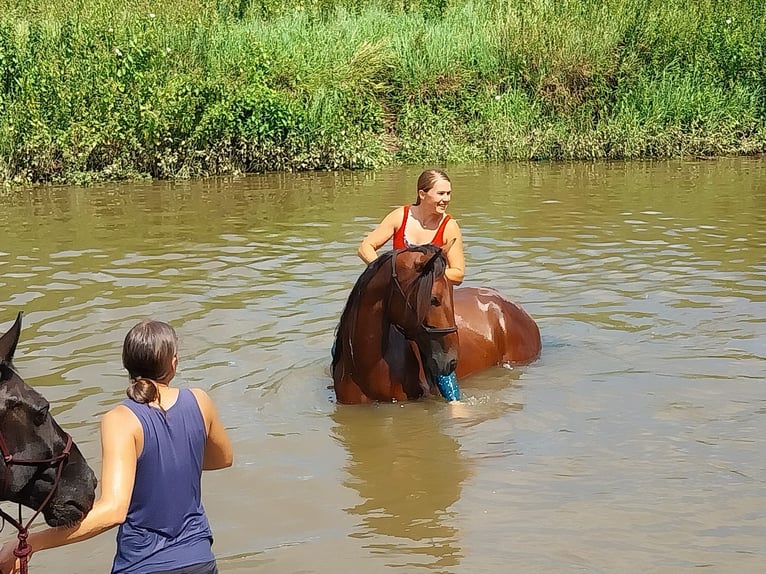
x=492 y=330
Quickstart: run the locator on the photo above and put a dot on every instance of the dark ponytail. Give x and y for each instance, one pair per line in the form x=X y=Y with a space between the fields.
x=143 y=390
x=147 y=354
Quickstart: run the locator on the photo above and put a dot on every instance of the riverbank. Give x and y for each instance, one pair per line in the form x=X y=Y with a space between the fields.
x=193 y=88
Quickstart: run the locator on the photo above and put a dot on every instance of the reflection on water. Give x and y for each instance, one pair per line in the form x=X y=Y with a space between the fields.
x=635 y=443
x=408 y=473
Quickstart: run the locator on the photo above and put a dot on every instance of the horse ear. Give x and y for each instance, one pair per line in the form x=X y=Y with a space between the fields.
x=9 y=341
x=428 y=265
x=449 y=245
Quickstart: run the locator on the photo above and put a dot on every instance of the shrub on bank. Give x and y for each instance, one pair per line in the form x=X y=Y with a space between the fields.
x=196 y=87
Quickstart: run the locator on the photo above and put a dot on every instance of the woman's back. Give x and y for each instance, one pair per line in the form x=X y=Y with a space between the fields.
x=166 y=526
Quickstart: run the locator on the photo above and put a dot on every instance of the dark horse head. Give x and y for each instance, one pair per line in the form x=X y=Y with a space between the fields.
x=33 y=444
x=401 y=303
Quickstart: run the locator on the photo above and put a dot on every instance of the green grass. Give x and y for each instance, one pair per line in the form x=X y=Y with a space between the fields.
x=192 y=88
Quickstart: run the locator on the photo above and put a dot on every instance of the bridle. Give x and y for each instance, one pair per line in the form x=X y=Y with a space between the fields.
x=427 y=329
x=23 y=550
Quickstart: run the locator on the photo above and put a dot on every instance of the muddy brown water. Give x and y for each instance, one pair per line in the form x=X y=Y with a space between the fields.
x=635 y=444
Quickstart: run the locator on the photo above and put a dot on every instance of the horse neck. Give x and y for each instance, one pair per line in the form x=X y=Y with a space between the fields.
x=372 y=326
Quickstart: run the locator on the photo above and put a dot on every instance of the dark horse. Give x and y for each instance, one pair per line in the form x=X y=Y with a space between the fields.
x=403 y=326
x=42 y=468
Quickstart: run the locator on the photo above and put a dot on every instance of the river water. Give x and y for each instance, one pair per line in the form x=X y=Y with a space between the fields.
x=636 y=443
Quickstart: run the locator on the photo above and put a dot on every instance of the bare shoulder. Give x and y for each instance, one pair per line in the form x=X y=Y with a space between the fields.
x=395 y=216
x=201 y=396
x=121 y=415
x=120 y=421
x=205 y=404
x=452 y=230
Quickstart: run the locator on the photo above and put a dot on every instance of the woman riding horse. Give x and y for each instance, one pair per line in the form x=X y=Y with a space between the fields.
x=404 y=327
x=376 y=357
x=424 y=222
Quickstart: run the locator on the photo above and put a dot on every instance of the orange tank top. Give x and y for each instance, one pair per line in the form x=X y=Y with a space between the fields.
x=400 y=242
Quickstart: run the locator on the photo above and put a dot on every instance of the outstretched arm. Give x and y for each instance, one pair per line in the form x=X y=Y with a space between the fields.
x=119 y=429
x=368 y=249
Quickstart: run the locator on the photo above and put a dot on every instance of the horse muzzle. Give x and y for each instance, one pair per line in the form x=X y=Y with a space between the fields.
x=437 y=361
x=75 y=494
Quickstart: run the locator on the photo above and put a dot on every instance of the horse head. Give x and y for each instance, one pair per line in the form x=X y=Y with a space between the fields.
x=37 y=455
x=421 y=306
x=401 y=301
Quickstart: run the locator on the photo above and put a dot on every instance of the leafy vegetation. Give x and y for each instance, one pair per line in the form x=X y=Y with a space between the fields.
x=93 y=90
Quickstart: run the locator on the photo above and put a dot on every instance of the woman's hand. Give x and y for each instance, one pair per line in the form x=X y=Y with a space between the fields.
x=9 y=564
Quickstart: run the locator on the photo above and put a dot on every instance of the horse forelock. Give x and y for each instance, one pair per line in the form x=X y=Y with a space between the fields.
x=432 y=269
x=422 y=281
x=423 y=275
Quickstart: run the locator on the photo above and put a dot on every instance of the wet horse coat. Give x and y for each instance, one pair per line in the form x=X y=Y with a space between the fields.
x=492 y=331
x=403 y=325
x=36 y=449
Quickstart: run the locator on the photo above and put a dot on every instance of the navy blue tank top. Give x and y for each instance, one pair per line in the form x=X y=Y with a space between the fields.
x=166 y=526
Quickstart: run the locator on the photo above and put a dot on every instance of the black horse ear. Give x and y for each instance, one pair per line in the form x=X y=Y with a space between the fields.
x=9 y=341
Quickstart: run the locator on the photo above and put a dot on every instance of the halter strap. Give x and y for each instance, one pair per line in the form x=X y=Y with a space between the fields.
x=23 y=550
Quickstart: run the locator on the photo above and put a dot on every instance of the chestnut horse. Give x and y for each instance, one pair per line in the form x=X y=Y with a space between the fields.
x=403 y=325
x=42 y=468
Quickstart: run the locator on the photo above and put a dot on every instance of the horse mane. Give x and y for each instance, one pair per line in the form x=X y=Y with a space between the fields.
x=344 y=332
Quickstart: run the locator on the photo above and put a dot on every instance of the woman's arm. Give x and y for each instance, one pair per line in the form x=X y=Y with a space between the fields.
x=119 y=428
x=218 y=451
x=455 y=257
x=368 y=248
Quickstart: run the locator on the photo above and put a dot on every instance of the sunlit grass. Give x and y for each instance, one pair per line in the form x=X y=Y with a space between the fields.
x=90 y=90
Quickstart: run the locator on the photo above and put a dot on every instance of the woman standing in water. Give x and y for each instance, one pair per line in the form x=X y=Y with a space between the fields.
x=155 y=446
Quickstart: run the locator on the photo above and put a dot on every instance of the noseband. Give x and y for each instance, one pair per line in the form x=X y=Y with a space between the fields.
x=23 y=550
x=427 y=329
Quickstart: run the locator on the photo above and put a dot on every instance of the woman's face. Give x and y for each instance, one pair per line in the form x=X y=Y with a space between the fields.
x=438 y=197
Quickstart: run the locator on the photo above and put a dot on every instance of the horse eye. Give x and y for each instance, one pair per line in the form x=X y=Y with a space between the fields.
x=435 y=302
x=41 y=415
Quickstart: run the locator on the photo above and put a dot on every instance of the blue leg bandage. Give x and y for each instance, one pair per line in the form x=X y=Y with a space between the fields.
x=447 y=385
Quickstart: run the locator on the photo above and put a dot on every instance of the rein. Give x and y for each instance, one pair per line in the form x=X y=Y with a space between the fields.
x=23 y=550
x=431 y=331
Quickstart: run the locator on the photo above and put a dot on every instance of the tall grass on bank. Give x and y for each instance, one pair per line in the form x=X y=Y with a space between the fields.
x=93 y=90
